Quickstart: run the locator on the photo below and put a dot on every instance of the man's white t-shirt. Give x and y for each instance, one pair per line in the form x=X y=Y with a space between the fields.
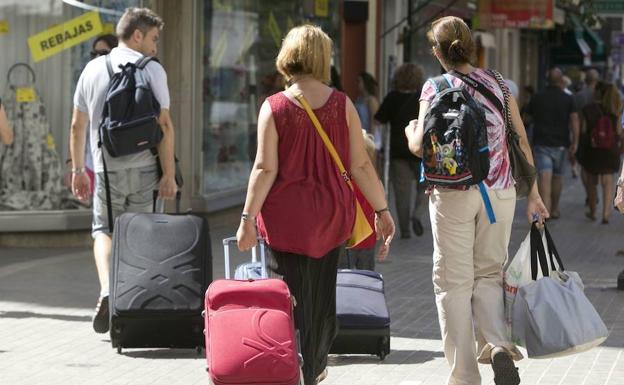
x=90 y=96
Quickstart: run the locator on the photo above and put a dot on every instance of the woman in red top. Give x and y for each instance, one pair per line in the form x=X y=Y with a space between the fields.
x=305 y=209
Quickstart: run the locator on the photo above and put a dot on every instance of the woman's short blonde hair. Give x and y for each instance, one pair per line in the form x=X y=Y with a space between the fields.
x=306 y=50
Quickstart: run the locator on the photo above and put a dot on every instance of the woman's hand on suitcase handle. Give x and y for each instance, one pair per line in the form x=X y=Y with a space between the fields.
x=246 y=236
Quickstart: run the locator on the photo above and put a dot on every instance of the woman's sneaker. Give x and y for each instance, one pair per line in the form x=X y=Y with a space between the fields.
x=505 y=372
x=100 y=318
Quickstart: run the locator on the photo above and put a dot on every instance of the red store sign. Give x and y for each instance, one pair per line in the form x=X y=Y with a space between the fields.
x=536 y=14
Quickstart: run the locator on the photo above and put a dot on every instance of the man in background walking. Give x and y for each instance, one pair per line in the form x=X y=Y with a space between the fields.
x=554 y=114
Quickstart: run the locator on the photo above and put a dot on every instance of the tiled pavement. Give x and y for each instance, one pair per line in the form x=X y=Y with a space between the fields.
x=46 y=299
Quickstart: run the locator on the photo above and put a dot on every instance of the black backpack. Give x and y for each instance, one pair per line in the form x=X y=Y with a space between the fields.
x=455 y=143
x=129 y=122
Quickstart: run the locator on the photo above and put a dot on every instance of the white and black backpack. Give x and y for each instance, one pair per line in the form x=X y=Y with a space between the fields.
x=455 y=143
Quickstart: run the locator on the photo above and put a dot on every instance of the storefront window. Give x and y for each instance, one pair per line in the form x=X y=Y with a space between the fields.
x=241 y=40
x=38 y=74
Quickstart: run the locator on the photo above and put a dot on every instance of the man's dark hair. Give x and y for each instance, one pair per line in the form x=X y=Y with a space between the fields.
x=142 y=19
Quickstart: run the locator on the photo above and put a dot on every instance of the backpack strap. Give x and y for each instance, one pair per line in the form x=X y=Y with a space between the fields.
x=440 y=83
x=142 y=62
x=109 y=66
x=482 y=89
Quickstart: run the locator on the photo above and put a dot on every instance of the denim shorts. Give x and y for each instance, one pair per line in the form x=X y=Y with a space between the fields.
x=132 y=190
x=550 y=159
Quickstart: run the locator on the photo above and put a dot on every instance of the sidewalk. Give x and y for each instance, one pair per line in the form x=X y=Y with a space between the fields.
x=47 y=296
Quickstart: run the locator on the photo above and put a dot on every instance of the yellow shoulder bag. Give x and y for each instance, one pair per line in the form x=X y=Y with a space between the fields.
x=361 y=227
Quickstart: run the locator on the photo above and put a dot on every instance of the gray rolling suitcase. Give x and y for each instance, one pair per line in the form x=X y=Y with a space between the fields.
x=161 y=267
x=362 y=312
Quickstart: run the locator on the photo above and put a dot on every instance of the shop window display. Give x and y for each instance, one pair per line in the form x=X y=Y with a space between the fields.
x=37 y=97
x=241 y=39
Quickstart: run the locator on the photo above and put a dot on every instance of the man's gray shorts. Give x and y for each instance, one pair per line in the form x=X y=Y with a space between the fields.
x=132 y=190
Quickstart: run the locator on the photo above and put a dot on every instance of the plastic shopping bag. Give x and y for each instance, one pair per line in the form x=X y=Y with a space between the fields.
x=552 y=317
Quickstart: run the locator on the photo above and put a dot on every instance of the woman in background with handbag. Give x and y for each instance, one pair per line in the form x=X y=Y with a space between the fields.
x=471 y=226
x=301 y=192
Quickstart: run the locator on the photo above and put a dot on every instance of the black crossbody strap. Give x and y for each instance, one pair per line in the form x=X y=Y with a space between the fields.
x=482 y=89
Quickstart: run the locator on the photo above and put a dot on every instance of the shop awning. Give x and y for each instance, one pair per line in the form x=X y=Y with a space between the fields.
x=596 y=44
x=574 y=49
x=591 y=37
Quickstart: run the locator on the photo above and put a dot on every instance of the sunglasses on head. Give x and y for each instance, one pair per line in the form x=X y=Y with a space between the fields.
x=99 y=52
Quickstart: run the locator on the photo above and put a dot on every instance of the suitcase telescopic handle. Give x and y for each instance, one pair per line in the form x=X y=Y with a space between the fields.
x=254 y=255
x=156 y=208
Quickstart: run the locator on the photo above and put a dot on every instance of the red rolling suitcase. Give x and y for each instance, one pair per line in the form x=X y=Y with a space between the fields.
x=250 y=331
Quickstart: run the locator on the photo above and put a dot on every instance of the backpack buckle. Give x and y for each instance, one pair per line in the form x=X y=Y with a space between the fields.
x=345 y=176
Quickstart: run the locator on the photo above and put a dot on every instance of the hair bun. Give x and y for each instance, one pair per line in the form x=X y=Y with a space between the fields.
x=456 y=47
x=456 y=51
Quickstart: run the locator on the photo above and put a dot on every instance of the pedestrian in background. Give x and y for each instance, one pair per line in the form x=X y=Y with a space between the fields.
x=583 y=98
x=586 y=95
x=362 y=256
x=335 y=81
x=6 y=132
x=398 y=108
x=367 y=105
x=305 y=210
x=599 y=163
x=469 y=251
x=555 y=121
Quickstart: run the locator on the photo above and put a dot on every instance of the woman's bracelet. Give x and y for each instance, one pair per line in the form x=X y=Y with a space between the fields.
x=80 y=170
x=378 y=212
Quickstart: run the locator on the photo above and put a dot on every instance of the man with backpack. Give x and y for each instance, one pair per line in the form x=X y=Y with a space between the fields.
x=125 y=136
x=554 y=114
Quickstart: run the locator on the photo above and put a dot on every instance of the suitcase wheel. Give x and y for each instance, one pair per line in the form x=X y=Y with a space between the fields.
x=118 y=349
x=383 y=348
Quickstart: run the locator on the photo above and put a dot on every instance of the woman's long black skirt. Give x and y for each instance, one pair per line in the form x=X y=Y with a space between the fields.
x=313 y=284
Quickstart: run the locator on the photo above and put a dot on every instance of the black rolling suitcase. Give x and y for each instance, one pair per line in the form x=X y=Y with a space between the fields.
x=161 y=267
x=363 y=317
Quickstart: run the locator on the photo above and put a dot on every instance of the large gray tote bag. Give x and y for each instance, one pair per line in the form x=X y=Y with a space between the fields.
x=552 y=317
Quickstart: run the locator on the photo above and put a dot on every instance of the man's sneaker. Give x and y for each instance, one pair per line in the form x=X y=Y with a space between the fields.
x=100 y=318
x=505 y=372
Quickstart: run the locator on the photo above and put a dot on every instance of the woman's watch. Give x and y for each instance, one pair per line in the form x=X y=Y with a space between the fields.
x=378 y=212
x=246 y=217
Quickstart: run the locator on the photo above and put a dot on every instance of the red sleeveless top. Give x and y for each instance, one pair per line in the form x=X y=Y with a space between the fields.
x=309 y=210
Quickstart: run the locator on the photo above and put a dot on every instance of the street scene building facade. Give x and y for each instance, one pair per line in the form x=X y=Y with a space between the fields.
x=459 y=255
x=220 y=59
